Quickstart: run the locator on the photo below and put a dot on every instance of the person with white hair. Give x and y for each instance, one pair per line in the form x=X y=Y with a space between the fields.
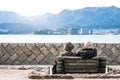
x=88 y=51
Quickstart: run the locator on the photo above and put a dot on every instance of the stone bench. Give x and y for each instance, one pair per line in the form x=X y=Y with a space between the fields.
x=78 y=65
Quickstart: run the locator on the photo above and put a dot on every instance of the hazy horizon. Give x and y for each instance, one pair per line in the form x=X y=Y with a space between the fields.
x=39 y=7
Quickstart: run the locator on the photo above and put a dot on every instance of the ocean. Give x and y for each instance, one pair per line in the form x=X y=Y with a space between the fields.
x=59 y=38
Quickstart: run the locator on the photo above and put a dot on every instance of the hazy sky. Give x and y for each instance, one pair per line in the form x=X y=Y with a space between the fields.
x=35 y=7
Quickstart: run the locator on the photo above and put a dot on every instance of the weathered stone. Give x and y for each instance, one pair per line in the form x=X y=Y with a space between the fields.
x=3 y=51
x=22 y=57
x=118 y=46
x=118 y=59
x=13 y=45
x=13 y=57
x=56 y=45
x=48 y=46
x=82 y=45
x=114 y=55
x=37 y=53
x=30 y=45
x=48 y=58
x=109 y=46
x=16 y=62
x=8 y=62
x=103 y=54
x=114 y=62
x=76 y=46
x=40 y=45
x=101 y=45
x=4 y=44
x=99 y=51
x=9 y=49
x=21 y=44
x=43 y=62
x=53 y=51
x=107 y=51
x=26 y=62
x=31 y=57
x=18 y=50
x=44 y=50
x=5 y=57
x=95 y=45
x=26 y=51
x=34 y=62
x=40 y=57
x=115 y=51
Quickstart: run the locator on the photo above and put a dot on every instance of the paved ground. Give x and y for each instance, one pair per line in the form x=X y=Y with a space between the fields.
x=21 y=73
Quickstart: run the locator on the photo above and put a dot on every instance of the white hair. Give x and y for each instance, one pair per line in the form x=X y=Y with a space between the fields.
x=88 y=45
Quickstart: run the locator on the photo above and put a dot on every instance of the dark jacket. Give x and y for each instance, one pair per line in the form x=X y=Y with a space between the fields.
x=87 y=53
x=67 y=54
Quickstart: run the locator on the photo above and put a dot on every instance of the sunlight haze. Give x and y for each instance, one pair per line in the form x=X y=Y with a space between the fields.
x=37 y=7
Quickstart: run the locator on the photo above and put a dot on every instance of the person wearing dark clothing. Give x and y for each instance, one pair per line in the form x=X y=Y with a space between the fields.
x=87 y=52
x=68 y=52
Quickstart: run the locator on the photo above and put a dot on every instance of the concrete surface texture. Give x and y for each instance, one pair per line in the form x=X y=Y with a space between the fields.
x=17 y=72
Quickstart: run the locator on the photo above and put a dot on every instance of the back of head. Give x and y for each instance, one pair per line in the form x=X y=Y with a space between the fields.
x=88 y=45
x=68 y=46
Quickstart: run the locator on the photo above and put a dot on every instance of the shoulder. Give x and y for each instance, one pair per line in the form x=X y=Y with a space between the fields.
x=67 y=54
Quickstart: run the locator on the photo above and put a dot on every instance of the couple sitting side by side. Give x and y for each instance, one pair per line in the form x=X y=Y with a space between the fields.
x=87 y=52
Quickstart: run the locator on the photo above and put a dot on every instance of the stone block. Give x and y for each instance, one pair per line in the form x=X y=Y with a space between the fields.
x=5 y=57
x=36 y=51
x=26 y=51
x=4 y=44
x=3 y=51
x=9 y=49
x=48 y=45
x=53 y=51
x=26 y=62
x=13 y=45
x=16 y=62
x=21 y=44
x=40 y=45
x=22 y=57
x=30 y=45
x=101 y=45
x=48 y=58
x=43 y=62
x=13 y=57
x=31 y=57
x=109 y=46
x=40 y=58
x=34 y=62
x=44 y=50
x=107 y=51
x=9 y=62
x=18 y=50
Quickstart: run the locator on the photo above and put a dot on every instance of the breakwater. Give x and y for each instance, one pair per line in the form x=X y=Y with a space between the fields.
x=46 y=53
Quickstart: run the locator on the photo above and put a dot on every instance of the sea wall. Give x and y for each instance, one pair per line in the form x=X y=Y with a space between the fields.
x=46 y=53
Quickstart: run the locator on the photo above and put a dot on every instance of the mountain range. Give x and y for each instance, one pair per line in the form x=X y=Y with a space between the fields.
x=91 y=17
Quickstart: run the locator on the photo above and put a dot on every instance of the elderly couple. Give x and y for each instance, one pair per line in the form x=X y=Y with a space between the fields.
x=85 y=53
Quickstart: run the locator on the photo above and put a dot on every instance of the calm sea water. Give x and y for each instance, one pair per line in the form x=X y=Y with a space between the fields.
x=59 y=38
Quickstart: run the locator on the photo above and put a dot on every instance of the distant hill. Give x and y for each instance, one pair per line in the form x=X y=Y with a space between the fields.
x=93 y=17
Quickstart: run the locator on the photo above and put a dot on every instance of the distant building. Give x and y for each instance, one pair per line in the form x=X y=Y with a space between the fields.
x=86 y=31
x=73 y=31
